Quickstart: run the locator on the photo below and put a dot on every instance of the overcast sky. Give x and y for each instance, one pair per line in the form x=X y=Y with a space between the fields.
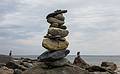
x=94 y=25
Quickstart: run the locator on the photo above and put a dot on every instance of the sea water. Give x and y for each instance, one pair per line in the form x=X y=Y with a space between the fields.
x=90 y=59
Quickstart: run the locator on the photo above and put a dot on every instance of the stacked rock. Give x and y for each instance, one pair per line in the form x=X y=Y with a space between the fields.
x=55 y=41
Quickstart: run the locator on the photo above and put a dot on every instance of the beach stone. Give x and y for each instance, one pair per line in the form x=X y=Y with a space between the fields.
x=53 y=56
x=26 y=64
x=60 y=17
x=59 y=70
x=58 y=32
x=59 y=63
x=56 y=25
x=17 y=71
x=96 y=69
x=63 y=27
x=56 y=13
x=14 y=65
x=109 y=66
x=78 y=61
x=52 y=20
x=53 y=45
x=5 y=58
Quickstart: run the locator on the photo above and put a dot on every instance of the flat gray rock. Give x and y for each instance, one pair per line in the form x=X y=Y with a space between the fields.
x=53 y=56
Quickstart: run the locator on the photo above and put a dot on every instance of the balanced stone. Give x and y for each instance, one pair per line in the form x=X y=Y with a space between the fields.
x=52 y=20
x=56 y=25
x=56 y=13
x=60 y=17
x=53 y=56
x=58 y=32
x=53 y=45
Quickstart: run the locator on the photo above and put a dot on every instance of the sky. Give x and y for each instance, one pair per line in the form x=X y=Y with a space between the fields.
x=94 y=25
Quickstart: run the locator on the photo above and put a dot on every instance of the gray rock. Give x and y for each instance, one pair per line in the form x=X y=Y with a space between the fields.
x=26 y=64
x=59 y=63
x=56 y=13
x=78 y=61
x=109 y=66
x=17 y=71
x=52 y=20
x=96 y=69
x=56 y=25
x=14 y=65
x=59 y=70
x=53 y=45
x=53 y=56
x=60 y=17
x=58 y=32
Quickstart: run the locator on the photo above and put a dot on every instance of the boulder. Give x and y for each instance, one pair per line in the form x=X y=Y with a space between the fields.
x=59 y=63
x=58 y=32
x=52 y=20
x=96 y=69
x=59 y=70
x=53 y=56
x=53 y=45
x=78 y=61
x=17 y=71
x=13 y=65
x=26 y=64
x=109 y=66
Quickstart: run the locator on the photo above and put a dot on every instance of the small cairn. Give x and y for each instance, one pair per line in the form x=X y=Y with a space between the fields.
x=55 y=41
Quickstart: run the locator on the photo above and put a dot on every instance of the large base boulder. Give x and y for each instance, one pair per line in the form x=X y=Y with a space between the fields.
x=53 y=45
x=59 y=70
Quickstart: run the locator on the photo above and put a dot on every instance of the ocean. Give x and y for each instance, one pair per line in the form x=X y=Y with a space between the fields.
x=90 y=59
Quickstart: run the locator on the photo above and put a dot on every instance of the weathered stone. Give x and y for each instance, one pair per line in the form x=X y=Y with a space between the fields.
x=13 y=65
x=53 y=56
x=78 y=61
x=56 y=25
x=58 y=32
x=59 y=63
x=63 y=27
x=59 y=70
x=56 y=13
x=96 y=69
x=53 y=45
x=52 y=20
x=109 y=66
x=60 y=17
x=17 y=71
x=26 y=64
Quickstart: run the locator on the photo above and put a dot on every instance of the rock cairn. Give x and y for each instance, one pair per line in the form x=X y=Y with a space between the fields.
x=55 y=41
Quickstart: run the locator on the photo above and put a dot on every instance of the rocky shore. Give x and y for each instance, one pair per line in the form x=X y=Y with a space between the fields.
x=34 y=66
